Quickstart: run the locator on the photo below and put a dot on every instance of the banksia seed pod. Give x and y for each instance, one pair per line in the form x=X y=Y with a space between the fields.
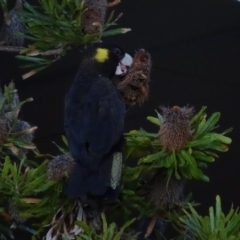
x=165 y=195
x=135 y=84
x=60 y=167
x=175 y=131
x=12 y=27
x=94 y=15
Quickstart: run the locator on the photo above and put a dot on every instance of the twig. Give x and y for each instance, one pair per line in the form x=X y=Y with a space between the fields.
x=151 y=226
x=28 y=74
x=114 y=3
x=11 y=49
x=57 y=51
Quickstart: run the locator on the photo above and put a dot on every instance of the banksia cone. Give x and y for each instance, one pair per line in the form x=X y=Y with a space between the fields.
x=94 y=15
x=60 y=167
x=165 y=195
x=135 y=84
x=12 y=27
x=175 y=131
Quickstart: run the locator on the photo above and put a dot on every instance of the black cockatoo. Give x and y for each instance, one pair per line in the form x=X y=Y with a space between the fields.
x=94 y=122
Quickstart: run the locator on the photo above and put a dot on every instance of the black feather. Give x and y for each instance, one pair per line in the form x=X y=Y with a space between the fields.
x=94 y=122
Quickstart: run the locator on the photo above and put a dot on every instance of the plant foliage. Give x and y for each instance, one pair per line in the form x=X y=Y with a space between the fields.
x=215 y=226
x=185 y=164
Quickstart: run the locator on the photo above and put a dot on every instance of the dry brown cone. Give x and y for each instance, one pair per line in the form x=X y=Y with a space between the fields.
x=135 y=85
x=165 y=195
x=175 y=131
x=60 y=167
x=94 y=15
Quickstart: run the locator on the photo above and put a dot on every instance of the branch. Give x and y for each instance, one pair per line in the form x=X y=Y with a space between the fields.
x=151 y=226
x=11 y=48
x=57 y=51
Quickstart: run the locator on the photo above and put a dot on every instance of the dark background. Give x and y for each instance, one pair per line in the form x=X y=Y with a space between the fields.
x=195 y=48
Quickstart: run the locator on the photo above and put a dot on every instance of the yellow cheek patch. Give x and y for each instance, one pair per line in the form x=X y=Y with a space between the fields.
x=102 y=54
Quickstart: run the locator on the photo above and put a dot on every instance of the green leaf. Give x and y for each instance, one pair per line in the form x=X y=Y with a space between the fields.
x=64 y=139
x=153 y=157
x=203 y=142
x=210 y=123
x=114 y=32
x=198 y=115
x=153 y=120
x=205 y=178
x=218 y=211
x=202 y=156
x=212 y=221
x=221 y=138
x=32 y=59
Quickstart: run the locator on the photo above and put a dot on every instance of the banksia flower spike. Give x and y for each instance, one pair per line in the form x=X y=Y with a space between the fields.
x=164 y=193
x=94 y=15
x=10 y=33
x=135 y=85
x=60 y=167
x=175 y=131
